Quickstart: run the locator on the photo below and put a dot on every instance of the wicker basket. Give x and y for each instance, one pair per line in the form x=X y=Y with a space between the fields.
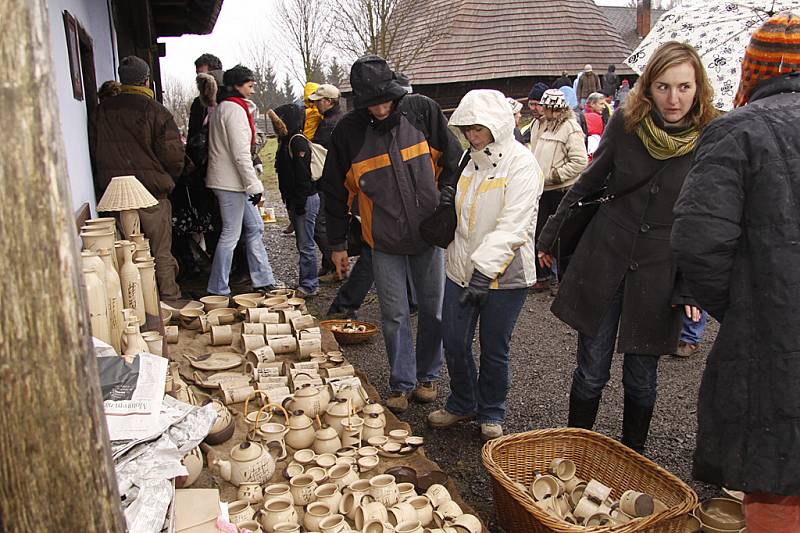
x=514 y=458
x=356 y=337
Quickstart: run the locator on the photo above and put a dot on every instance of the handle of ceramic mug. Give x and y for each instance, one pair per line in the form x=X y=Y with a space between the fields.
x=273 y=406
x=247 y=401
x=319 y=422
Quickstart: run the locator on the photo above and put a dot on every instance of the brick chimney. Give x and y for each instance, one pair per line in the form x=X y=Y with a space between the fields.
x=643 y=12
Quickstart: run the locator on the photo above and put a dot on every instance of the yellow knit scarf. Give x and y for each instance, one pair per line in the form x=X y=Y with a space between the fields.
x=662 y=145
x=137 y=89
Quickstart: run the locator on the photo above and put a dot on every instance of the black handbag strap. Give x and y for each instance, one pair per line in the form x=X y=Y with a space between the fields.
x=604 y=199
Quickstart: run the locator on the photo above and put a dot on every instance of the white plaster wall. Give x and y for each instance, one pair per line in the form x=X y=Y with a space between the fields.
x=93 y=15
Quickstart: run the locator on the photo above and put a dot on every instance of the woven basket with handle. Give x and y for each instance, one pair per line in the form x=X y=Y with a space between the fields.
x=512 y=459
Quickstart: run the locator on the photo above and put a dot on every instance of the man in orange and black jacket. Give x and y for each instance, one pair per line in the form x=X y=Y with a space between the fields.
x=391 y=154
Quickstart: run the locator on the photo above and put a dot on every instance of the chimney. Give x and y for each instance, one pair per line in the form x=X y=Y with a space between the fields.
x=643 y=11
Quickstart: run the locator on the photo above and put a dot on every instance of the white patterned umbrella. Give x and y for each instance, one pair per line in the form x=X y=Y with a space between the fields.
x=719 y=30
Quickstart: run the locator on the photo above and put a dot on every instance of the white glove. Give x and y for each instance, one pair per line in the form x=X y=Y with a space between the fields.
x=259 y=168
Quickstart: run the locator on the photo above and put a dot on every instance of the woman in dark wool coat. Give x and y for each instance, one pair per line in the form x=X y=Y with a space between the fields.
x=744 y=268
x=622 y=275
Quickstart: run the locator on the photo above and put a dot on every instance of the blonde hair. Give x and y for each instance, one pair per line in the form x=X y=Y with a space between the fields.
x=639 y=104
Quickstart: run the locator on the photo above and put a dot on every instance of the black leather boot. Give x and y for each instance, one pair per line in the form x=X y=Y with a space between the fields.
x=582 y=413
x=636 y=424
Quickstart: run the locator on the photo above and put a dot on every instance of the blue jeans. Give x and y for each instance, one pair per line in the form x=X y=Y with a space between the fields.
x=470 y=392
x=639 y=371
x=308 y=278
x=692 y=332
x=238 y=215
x=407 y=366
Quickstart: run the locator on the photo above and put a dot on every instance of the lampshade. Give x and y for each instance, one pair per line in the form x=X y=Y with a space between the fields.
x=124 y=193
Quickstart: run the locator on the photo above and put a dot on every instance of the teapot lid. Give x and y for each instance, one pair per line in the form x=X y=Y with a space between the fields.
x=299 y=419
x=246 y=451
x=306 y=390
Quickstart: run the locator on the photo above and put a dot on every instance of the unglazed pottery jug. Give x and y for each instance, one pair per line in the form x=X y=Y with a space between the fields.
x=133 y=342
x=115 y=303
x=98 y=308
x=131 y=282
x=301 y=431
x=147 y=271
x=249 y=462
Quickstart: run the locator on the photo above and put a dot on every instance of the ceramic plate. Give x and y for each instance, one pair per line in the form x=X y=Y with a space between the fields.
x=215 y=361
x=214 y=380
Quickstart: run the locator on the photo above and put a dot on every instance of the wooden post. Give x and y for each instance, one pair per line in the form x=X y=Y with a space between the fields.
x=56 y=471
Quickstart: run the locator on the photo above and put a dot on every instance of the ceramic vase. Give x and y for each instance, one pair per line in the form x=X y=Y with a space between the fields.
x=91 y=260
x=134 y=342
x=97 y=238
x=147 y=271
x=114 y=299
x=141 y=249
x=98 y=312
x=131 y=282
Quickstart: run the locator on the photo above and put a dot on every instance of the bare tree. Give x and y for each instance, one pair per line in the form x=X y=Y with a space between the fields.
x=400 y=31
x=305 y=26
x=256 y=54
x=178 y=99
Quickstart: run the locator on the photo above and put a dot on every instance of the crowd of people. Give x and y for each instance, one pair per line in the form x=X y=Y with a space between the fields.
x=697 y=212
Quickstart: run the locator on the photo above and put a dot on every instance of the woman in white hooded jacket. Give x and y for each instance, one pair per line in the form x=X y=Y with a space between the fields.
x=491 y=261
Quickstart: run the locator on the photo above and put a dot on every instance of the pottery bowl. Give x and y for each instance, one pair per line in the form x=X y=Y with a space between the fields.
x=257 y=297
x=721 y=513
x=225 y=315
x=193 y=304
x=214 y=301
x=245 y=302
x=403 y=474
x=274 y=300
x=415 y=441
x=304 y=456
x=367 y=463
x=166 y=316
x=378 y=441
x=190 y=318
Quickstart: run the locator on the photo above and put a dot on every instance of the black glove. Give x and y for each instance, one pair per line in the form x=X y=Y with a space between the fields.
x=477 y=291
x=446 y=196
x=254 y=198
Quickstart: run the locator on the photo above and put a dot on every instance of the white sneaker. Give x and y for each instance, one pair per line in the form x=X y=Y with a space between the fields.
x=491 y=431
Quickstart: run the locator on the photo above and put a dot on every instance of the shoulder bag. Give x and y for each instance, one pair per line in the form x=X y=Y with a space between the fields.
x=318 y=155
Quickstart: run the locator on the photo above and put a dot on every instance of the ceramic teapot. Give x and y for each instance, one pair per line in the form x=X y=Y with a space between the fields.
x=250 y=462
x=307 y=399
x=373 y=427
x=356 y=394
x=301 y=431
x=337 y=411
x=326 y=440
x=373 y=407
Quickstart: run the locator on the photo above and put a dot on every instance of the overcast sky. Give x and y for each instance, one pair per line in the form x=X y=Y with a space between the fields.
x=240 y=22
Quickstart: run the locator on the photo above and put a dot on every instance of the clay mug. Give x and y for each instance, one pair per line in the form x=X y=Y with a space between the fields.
x=469 y=522
x=334 y=523
x=171 y=333
x=286 y=527
x=302 y=489
x=563 y=469
x=253 y=328
x=544 y=486
x=342 y=474
x=596 y=491
x=353 y=497
x=277 y=512
x=635 y=503
x=577 y=493
x=585 y=508
x=306 y=346
x=449 y=510
x=253 y=314
x=240 y=511
x=437 y=494
x=238 y=394
x=221 y=335
x=284 y=344
x=277 y=329
x=260 y=355
x=370 y=511
x=253 y=342
x=598 y=519
x=250 y=492
x=330 y=494
x=402 y=512
x=422 y=505
x=315 y=513
x=406 y=491
x=341 y=371
x=269 y=319
x=412 y=526
x=250 y=525
x=571 y=483
x=154 y=342
x=383 y=488
x=377 y=526
x=278 y=491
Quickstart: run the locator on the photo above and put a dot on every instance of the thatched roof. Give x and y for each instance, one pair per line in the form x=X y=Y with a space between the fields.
x=491 y=39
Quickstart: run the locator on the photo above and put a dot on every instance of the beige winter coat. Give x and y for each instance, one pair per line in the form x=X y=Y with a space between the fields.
x=561 y=154
x=230 y=161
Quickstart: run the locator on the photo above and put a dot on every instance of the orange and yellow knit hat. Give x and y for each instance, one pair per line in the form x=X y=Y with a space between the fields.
x=774 y=49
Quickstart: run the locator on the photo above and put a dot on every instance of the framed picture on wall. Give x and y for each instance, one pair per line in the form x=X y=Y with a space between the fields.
x=74 y=54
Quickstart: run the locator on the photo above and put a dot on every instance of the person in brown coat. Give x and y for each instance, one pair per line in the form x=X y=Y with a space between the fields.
x=133 y=134
x=621 y=290
x=588 y=83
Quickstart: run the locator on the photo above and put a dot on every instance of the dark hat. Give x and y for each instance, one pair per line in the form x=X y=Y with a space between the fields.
x=373 y=82
x=238 y=75
x=537 y=91
x=133 y=71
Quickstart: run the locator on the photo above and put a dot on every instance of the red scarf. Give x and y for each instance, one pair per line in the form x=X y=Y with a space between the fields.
x=243 y=104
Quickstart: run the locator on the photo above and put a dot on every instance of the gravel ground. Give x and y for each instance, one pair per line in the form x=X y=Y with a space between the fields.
x=542 y=360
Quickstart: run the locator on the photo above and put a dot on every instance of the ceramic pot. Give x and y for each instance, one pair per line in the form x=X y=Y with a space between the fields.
x=315 y=513
x=412 y=526
x=306 y=399
x=301 y=432
x=326 y=440
x=253 y=342
x=336 y=412
x=424 y=509
x=250 y=525
x=92 y=261
x=384 y=489
x=221 y=335
x=334 y=523
x=372 y=407
x=274 y=433
x=277 y=512
x=278 y=491
x=98 y=305
x=249 y=463
x=287 y=527
x=302 y=488
x=115 y=303
x=370 y=511
x=240 y=511
x=133 y=341
x=98 y=238
x=352 y=497
x=342 y=474
x=250 y=492
x=373 y=427
x=438 y=494
x=329 y=494
x=155 y=342
x=131 y=282
x=147 y=271
x=281 y=345
x=402 y=512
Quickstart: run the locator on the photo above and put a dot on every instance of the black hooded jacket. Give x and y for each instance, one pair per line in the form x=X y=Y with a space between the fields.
x=293 y=160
